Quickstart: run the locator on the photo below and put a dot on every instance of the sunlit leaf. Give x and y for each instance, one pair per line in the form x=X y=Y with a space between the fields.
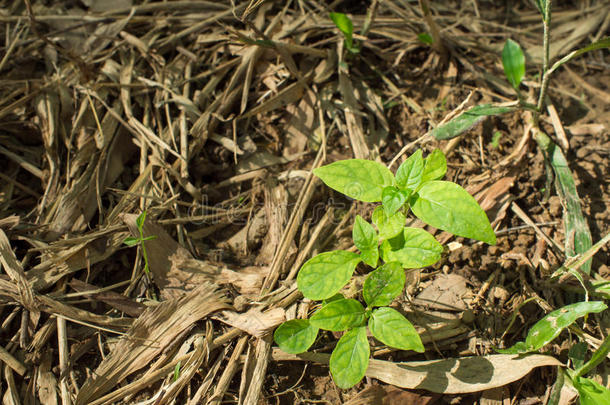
x=370 y=256
x=324 y=275
x=409 y=173
x=131 y=241
x=435 y=166
x=338 y=315
x=449 y=207
x=360 y=179
x=388 y=226
x=591 y=392
x=393 y=329
x=295 y=336
x=363 y=234
x=393 y=199
x=413 y=248
x=344 y=23
x=549 y=327
x=140 y=220
x=383 y=285
x=350 y=359
x=513 y=62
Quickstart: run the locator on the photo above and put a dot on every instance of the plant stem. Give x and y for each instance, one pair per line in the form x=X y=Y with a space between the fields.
x=598 y=357
x=437 y=44
x=546 y=23
x=146 y=269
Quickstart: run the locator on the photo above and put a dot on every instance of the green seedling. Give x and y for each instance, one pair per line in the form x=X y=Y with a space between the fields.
x=133 y=241
x=425 y=38
x=177 y=371
x=345 y=25
x=415 y=188
x=495 y=139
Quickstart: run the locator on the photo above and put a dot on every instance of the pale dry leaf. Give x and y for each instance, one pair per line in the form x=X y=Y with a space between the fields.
x=447 y=376
x=254 y=321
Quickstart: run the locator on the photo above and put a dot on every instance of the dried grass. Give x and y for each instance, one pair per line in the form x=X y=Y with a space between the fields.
x=208 y=116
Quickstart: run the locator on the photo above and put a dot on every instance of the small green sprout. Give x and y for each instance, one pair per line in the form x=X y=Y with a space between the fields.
x=425 y=38
x=495 y=139
x=133 y=241
x=177 y=371
x=345 y=25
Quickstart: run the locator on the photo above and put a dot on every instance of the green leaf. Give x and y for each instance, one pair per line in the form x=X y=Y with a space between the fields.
x=345 y=25
x=343 y=22
x=449 y=207
x=409 y=173
x=574 y=221
x=383 y=285
x=324 y=275
x=577 y=354
x=517 y=348
x=435 y=166
x=339 y=315
x=177 y=370
x=425 y=38
x=140 y=220
x=388 y=226
x=131 y=241
x=363 y=234
x=391 y=328
x=549 y=327
x=370 y=256
x=350 y=359
x=541 y=4
x=366 y=240
x=335 y=297
x=295 y=336
x=513 y=61
x=601 y=44
x=393 y=199
x=360 y=179
x=414 y=248
x=151 y=237
x=602 y=288
x=467 y=120
x=591 y=392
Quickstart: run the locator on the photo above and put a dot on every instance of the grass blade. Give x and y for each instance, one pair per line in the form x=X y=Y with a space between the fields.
x=577 y=235
x=467 y=120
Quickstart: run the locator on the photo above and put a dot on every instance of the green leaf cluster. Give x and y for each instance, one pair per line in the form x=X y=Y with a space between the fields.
x=416 y=188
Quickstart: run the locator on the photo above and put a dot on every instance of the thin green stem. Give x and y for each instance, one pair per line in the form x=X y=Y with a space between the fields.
x=437 y=43
x=146 y=269
x=599 y=356
x=546 y=23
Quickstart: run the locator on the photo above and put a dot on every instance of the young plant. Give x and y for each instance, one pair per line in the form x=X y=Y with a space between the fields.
x=133 y=241
x=345 y=25
x=416 y=187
